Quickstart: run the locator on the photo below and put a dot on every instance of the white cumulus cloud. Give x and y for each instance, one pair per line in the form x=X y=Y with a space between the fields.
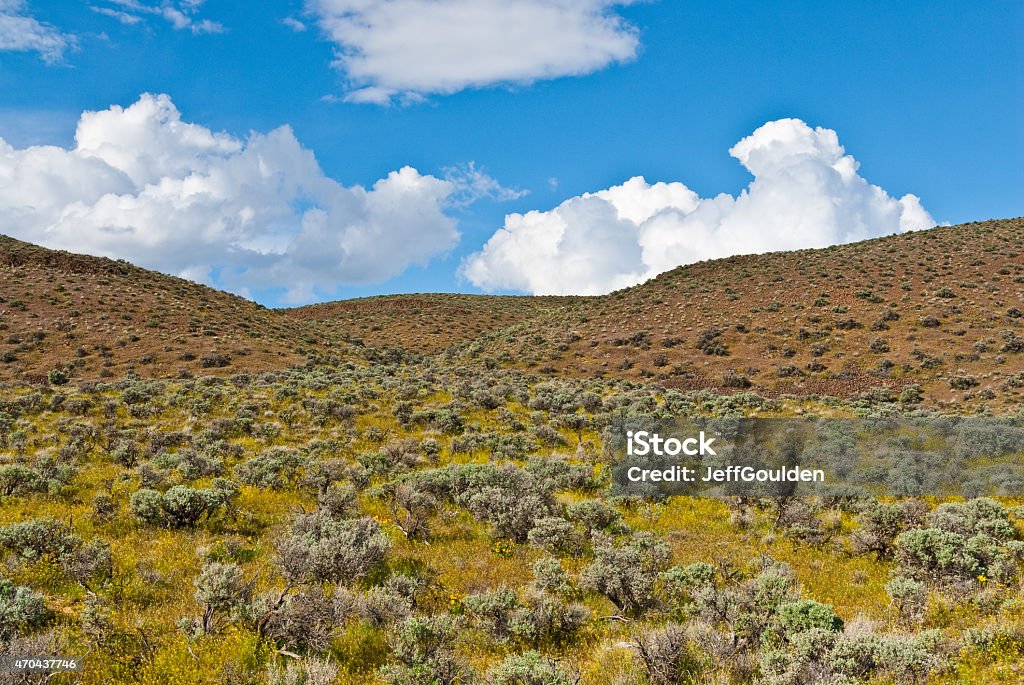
x=407 y=49
x=143 y=185
x=806 y=192
x=21 y=32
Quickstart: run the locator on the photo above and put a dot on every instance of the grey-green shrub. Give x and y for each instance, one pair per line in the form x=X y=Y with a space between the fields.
x=182 y=506
x=21 y=609
x=16 y=479
x=556 y=535
x=676 y=587
x=274 y=468
x=626 y=573
x=147 y=505
x=543 y=620
x=806 y=614
x=321 y=548
x=881 y=523
x=424 y=653
x=511 y=514
x=220 y=589
x=908 y=595
x=529 y=668
x=38 y=538
x=549 y=576
x=595 y=515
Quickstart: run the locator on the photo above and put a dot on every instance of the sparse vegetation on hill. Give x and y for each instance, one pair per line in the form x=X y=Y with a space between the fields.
x=72 y=316
x=426 y=324
x=931 y=316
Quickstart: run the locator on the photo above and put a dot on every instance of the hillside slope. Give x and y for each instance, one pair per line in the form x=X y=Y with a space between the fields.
x=427 y=323
x=940 y=309
x=937 y=313
x=93 y=317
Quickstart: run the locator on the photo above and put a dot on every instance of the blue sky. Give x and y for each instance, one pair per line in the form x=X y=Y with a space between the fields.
x=927 y=96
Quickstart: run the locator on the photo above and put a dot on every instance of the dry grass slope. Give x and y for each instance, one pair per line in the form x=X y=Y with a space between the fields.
x=90 y=317
x=936 y=314
x=940 y=310
x=426 y=323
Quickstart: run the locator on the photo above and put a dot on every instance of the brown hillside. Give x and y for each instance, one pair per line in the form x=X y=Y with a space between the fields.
x=95 y=318
x=427 y=323
x=941 y=309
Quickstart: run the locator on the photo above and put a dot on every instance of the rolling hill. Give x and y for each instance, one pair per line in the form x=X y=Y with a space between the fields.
x=93 y=318
x=934 y=314
x=938 y=309
x=427 y=323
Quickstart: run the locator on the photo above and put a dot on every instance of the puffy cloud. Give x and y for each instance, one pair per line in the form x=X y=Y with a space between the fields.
x=180 y=15
x=407 y=49
x=806 y=192
x=20 y=32
x=143 y=185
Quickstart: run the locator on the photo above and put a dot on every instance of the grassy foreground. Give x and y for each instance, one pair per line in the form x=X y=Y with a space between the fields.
x=414 y=523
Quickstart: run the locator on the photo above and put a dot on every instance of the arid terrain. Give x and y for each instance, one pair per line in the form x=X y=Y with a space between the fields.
x=937 y=314
x=415 y=489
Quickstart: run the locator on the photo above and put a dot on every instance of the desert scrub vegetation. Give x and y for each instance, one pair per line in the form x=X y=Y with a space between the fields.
x=414 y=521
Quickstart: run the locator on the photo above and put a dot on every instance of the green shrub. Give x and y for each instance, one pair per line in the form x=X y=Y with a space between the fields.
x=806 y=614
x=147 y=505
x=275 y=468
x=512 y=514
x=908 y=595
x=492 y=611
x=182 y=506
x=710 y=342
x=935 y=555
x=16 y=479
x=880 y=523
x=220 y=589
x=556 y=535
x=549 y=576
x=543 y=621
x=57 y=377
x=38 y=538
x=595 y=515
